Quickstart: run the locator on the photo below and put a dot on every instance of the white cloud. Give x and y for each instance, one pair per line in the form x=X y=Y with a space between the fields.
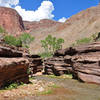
x=63 y=19
x=8 y=3
x=43 y=12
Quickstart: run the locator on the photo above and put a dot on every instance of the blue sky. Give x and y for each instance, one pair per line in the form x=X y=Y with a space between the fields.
x=60 y=8
x=63 y=8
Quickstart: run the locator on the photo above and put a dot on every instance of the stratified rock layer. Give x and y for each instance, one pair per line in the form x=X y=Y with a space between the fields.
x=83 y=62
x=35 y=64
x=13 y=70
x=58 y=65
x=86 y=64
x=13 y=65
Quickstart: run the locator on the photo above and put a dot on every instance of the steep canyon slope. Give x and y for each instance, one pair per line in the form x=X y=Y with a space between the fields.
x=81 y=25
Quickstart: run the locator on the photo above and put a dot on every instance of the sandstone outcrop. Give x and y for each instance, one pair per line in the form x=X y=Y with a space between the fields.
x=11 y=21
x=58 y=65
x=13 y=70
x=86 y=64
x=82 y=61
x=13 y=65
x=35 y=64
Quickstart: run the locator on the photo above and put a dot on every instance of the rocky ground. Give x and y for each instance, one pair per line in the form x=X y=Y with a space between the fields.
x=65 y=88
x=31 y=89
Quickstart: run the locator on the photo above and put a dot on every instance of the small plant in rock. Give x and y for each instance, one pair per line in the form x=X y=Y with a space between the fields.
x=13 y=86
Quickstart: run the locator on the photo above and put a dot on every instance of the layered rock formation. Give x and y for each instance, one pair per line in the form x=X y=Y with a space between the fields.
x=13 y=66
x=58 y=65
x=83 y=62
x=13 y=70
x=35 y=65
x=11 y=21
x=86 y=64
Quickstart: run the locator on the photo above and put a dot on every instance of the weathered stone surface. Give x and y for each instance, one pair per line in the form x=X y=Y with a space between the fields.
x=35 y=64
x=13 y=70
x=12 y=51
x=11 y=21
x=83 y=61
x=57 y=66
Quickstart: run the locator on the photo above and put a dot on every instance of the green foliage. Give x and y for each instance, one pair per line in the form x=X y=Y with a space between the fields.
x=51 y=44
x=2 y=30
x=26 y=39
x=46 y=92
x=11 y=40
x=13 y=86
x=83 y=41
x=46 y=55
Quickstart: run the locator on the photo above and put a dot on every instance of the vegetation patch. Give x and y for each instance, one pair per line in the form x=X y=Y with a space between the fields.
x=65 y=76
x=11 y=86
x=50 y=45
x=22 y=41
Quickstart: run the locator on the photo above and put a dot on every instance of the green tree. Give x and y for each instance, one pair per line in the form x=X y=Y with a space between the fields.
x=26 y=39
x=51 y=44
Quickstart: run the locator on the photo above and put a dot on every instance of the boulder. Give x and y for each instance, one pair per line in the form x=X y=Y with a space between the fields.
x=13 y=70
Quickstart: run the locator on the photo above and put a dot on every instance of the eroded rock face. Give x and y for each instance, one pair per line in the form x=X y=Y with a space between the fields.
x=13 y=70
x=12 y=51
x=83 y=62
x=35 y=64
x=11 y=21
x=58 y=65
x=86 y=66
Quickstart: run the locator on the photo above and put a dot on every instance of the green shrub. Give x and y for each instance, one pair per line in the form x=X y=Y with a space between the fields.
x=46 y=55
x=23 y=41
x=13 y=86
x=11 y=40
x=83 y=41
